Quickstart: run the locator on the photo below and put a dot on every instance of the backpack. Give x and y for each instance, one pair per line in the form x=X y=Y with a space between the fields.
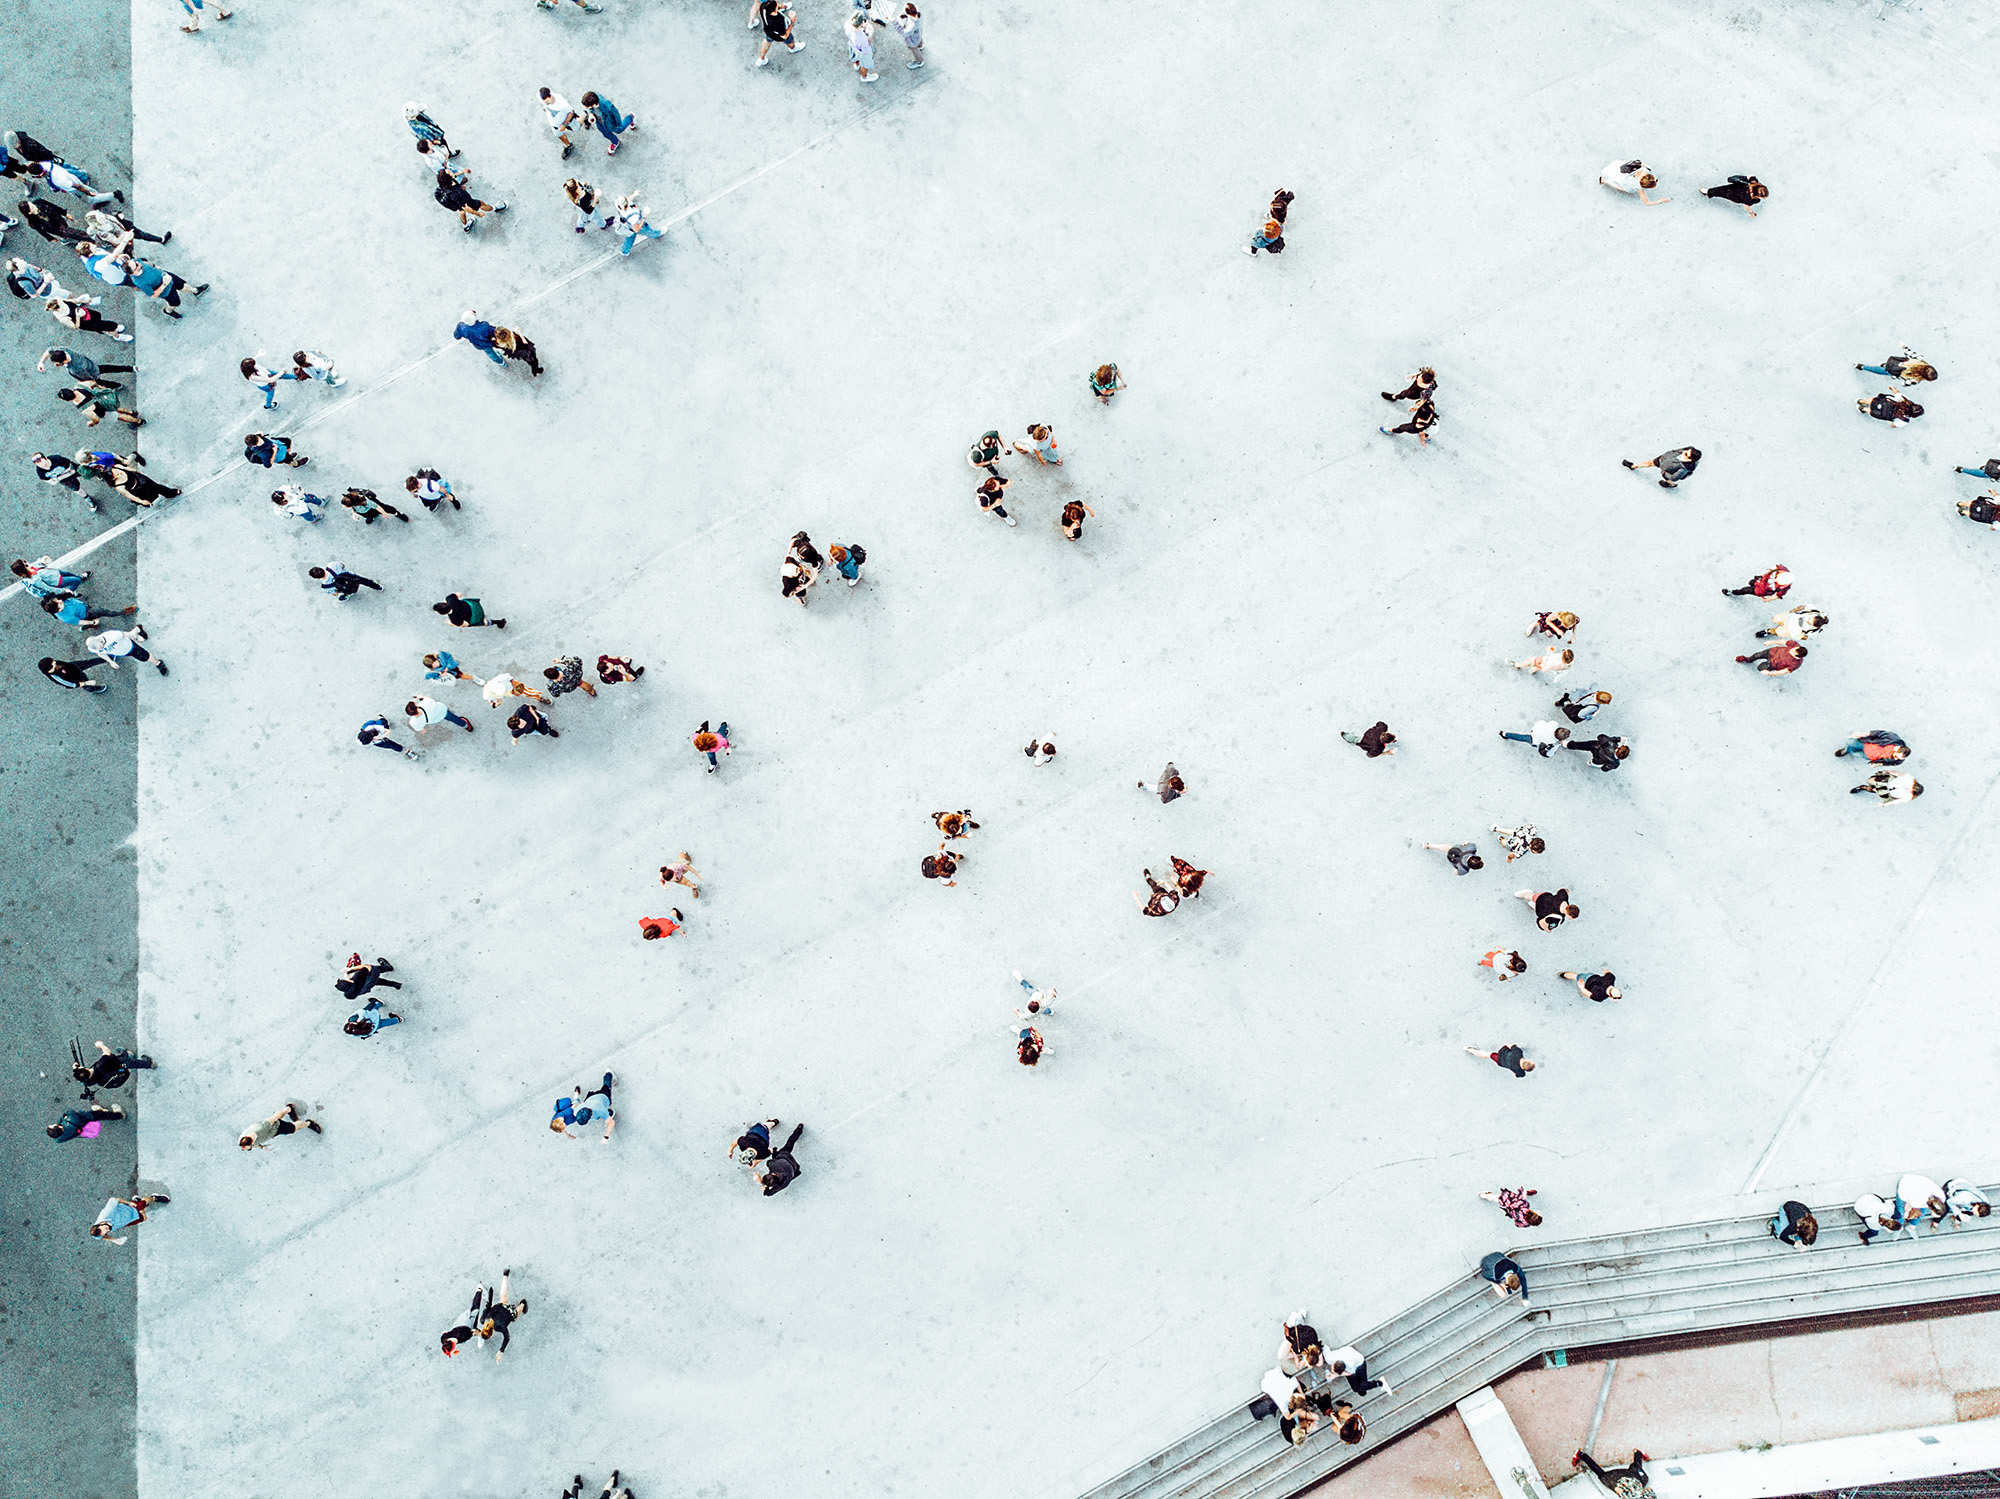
x=855 y=554
x=1262 y=1408
x=1984 y=510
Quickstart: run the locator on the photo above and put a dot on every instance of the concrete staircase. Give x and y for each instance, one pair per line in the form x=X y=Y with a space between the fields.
x=1693 y=1277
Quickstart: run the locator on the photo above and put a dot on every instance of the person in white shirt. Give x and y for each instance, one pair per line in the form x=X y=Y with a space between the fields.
x=1280 y=1386
x=1795 y=624
x=1040 y=751
x=1919 y=1198
x=1632 y=178
x=629 y=216
x=1964 y=1201
x=1349 y=1361
x=425 y=711
x=561 y=115
x=292 y=500
x=1038 y=1000
x=497 y=689
x=1877 y=1217
x=113 y=644
x=1554 y=660
x=310 y=364
x=1544 y=736
x=428 y=486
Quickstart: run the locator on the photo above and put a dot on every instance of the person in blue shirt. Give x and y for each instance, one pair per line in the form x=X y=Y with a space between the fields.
x=75 y=1122
x=77 y=611
x=266 y=451
x=158 y=285
x=476 y=331
x=43 y=578
x=609 y=122
x=369 y=1019
x=427 y=130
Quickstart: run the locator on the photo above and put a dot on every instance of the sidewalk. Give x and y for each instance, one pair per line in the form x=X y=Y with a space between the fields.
x=1777 y=1391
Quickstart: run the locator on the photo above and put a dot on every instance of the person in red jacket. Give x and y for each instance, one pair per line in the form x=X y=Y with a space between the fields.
x=1774 y=584
x=1780 y=660
x=1879 y=746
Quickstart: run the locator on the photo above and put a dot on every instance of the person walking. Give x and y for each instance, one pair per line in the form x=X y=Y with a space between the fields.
x=611 y=1489
x=64 y=178
x=334 y=578
x=1270 y=237
x=1039 y=751
x=1374 y=742
x=53 y=468
x=112 y=646
x=987 y=452
x=754 y=1144
x=430 y=489
x=566 y=676
x=264 y=380
x=466 y=614
x=83 y=1124
x=358 y=978
x=795 y=579
x=1796 y=623
x=1551 y=908
x=1421 y=418
x=1559 y=624
x=475 y=330
x=653 y=928
x=776 y=18
x=1773 y=583
x=1607 y=751
x=632 y=219
x=909 y=23
x=1990 y=469
x=1423 y=385
x=268 y=452
x=1039 y=1000
x=1513 y=1201
x=561 y=114
x=1187 y=878
x=50 y=221
x=1508 y=1058
x=120 y=1212
x=516 y=345
x=73 y=675
x=611 y=670
x=1168 y=788
x=1891 y=786
x=1981 y=510
x=587 y=201
x=423 y=711
x=941 y=866
x=498 y=688
x=79 y=612
x=1163 y=901
x=140 y=488
x=294 y=501
x=310 y=364
x=680 y=870
x=955 y=825
x=80 y=312
x=1896 y=410
x=158 y=285
x=109 y=1069
x=1633 y=178
x=1544 y=736
x=1877 y=746
x=370 y=1019
x=1349 y=1363
x=1106 y=382
x=1504 y=962
x=1504 y=1275
x=1463 y=857
x=1041 y=446
x=1552 y=662
x=375 y=733
x=1029 y=1047
x=990 y=493
x=1595 y=987
x=1920 y=1200
x=43 y=579
x=499 y=1316
x=32 y=283
x=1628 y=1482
x=82 y=367
x=367 y=508
x=1778 y=661
x=1582 y=704
x=285 y=1122
x=860 y=30
x=427 y=130
x=608 y=119
x=847 y=561
x=781 y=1167
x=1794 y=1224
x=575 y=1115
x=1071 y=523
x=1909 y=367
x=712 y=742
x=528 y=719
x=1674 y=465
x=1877 y=1217
x=1964 y=1202
x=1742 y=191
x=452 y=193
x=98 y=403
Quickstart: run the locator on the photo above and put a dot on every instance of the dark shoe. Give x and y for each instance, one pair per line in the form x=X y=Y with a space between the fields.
x=313 y=1125
x=1839 y=754
x=162 y=666
x=167 y=238
x=1666 y=484
x=499 y=624
x=1628 y=462
x=638 y=671
x=1387 y=397
x=200 y=289
x=143 y=1062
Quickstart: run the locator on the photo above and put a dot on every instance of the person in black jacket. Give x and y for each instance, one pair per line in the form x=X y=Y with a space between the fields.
x=1374 y=742
x=112 y=1069
x=1422 y=418
x=451 y=193
x=1423 y=385
x=499 y=1316
x=1740 y=190
x=1605 y=751
x=359 y=978
x=1796 y=1226
x=1507 y=1277
x=51 y=222
x=782 y=1169
x=1889 y=408
x=70 y=674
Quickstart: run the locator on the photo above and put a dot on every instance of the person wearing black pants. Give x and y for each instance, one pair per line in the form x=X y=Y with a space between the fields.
x=783 y=1167
x=1423 y=385
x=359 y=978
x=112 y=1069
x=1611 y=1477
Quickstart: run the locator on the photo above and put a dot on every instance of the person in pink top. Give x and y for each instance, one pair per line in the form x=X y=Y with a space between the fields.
x=712 y=742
